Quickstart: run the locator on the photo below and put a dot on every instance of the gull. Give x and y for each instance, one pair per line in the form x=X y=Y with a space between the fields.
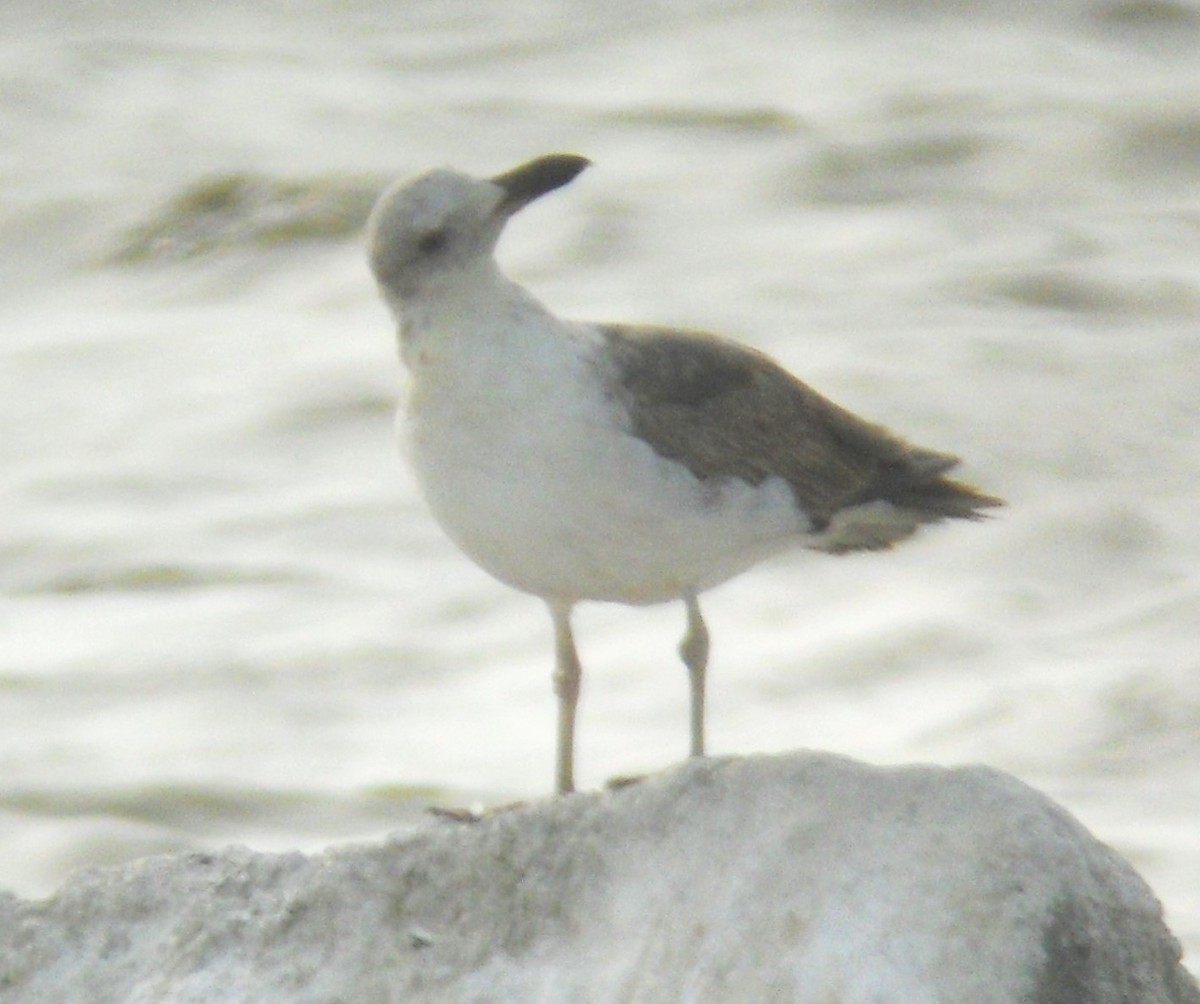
x=631 y=464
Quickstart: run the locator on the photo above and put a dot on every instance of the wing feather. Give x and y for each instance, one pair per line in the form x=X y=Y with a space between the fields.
x=728 y=411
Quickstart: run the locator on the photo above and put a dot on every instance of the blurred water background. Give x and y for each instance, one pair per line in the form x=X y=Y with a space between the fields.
x=227 y=617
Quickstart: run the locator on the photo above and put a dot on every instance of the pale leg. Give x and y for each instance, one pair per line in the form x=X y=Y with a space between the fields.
x=694 y=650
x=566 y=687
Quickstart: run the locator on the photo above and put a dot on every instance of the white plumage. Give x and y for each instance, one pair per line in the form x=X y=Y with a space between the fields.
x=579 y=461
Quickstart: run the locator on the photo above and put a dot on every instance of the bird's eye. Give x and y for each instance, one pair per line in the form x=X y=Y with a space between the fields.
x=432 y=242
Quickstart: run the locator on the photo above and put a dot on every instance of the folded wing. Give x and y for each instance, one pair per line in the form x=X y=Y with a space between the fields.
x=727 y=411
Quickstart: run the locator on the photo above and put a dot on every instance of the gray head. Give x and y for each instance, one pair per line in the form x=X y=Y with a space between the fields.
x=442 y=223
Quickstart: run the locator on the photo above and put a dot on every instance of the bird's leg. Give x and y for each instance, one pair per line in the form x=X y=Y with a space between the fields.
x=566 y=687
x=694 y=650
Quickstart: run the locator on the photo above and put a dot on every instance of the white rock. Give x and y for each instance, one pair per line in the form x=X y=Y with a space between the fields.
x=799 y=878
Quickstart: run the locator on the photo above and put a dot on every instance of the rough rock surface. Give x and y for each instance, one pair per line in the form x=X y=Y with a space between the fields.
x=798 y=878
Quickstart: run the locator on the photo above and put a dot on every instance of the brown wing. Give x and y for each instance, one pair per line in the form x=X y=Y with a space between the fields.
x=726 y=410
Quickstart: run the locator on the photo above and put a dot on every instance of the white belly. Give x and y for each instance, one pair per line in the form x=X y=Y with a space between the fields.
x=532 y=474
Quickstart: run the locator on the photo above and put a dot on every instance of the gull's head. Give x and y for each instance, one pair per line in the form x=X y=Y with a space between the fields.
x=425 y=232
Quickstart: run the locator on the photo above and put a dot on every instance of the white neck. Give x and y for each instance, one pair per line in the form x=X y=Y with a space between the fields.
x=479 y=312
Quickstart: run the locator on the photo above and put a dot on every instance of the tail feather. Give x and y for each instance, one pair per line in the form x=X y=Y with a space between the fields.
x=899 y=501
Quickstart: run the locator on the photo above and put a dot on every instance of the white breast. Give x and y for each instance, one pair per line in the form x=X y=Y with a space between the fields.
x=532 y=470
